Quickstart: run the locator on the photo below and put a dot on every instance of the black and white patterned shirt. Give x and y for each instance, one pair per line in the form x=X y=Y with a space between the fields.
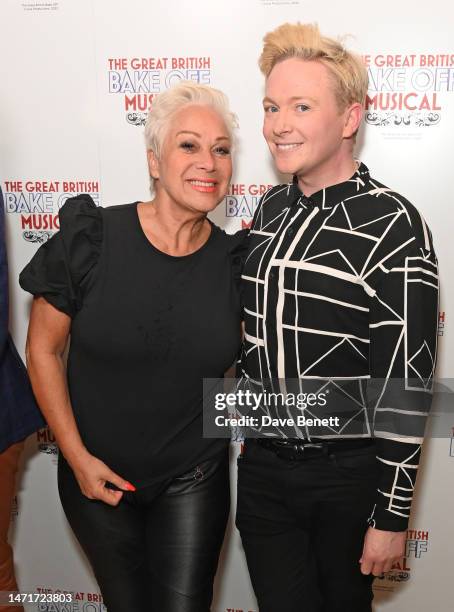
x=343 y=286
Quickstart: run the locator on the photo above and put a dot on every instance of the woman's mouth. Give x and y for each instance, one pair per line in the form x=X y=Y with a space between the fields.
x=206 y=186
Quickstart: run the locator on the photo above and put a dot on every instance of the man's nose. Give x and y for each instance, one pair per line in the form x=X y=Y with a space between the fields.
x=281 y=124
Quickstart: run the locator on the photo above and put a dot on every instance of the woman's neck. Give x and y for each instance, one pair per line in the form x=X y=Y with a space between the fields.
x=174 y=231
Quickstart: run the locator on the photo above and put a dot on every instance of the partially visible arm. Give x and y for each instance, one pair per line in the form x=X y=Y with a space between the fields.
x=3 y=283
x=47 y=338
x=403 y=347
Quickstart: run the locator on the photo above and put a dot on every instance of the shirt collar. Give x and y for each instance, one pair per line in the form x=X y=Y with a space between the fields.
x=328 y=197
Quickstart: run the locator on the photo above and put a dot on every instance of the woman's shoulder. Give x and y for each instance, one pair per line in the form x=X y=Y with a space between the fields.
x=81 y=224
x=235 y=246
x=80 y=214
x=118 y=209
x=231 y=242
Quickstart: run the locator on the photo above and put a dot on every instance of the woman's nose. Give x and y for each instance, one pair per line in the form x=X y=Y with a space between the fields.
x=206 y=161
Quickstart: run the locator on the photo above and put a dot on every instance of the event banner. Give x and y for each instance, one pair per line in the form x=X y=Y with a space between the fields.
x=79 y=78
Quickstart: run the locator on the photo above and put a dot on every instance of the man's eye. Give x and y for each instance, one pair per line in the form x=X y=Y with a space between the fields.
x=187 y=146
x=270 y=108
x=302 y=107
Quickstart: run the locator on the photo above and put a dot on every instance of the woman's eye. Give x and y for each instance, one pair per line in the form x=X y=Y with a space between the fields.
x=222 y=151
x=187 y=146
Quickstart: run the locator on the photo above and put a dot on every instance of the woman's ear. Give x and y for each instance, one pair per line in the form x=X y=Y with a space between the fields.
x=153 y=164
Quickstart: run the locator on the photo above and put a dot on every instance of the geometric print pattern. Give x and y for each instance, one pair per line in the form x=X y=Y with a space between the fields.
x=342 y=288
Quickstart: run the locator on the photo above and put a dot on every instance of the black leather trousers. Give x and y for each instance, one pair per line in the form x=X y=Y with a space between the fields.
x=158 y=550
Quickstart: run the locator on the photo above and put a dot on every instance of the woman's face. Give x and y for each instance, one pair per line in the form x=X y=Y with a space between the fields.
x=195 y=166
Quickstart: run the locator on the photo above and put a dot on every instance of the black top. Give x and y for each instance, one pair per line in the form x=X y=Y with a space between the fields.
x=344 y=285
x=146 y=329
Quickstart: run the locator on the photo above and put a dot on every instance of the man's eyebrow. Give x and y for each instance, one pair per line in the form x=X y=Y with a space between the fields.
x=292 y=99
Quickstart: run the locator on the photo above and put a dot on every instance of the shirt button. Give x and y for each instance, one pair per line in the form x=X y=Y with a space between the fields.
x=307 y=202
x=290 y=231
x=271 y=275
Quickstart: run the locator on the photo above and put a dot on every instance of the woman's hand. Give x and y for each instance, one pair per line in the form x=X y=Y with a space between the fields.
x=92 y=475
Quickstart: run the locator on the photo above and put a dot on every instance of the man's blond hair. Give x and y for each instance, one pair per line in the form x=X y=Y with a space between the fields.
x=304 y=41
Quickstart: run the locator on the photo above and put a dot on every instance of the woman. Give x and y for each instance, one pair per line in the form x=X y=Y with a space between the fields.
x=148 y=292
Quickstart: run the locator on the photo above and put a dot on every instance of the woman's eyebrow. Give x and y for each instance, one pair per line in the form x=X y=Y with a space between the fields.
x=199 y=135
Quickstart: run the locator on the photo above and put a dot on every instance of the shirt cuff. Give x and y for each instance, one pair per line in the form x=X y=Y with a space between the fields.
x=385 y=520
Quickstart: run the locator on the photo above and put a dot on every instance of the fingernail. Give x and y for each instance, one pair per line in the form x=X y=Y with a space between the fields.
x=129 y=487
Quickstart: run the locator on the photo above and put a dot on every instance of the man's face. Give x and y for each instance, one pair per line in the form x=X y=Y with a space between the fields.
x=303 y=126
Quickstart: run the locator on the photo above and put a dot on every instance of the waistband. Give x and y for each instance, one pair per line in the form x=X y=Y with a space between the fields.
x=295 y=449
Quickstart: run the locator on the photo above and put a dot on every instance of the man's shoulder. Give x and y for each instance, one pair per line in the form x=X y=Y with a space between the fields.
x=275 y=199
x=278 y=193
x=382 y=210
x=379 y=196
x=277 y=196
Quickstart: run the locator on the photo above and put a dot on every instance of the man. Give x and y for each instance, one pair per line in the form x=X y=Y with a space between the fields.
x=19 y=417
x=340 y=284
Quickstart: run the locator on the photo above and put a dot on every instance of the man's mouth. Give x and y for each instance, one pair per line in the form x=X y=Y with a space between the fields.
x=288 y=146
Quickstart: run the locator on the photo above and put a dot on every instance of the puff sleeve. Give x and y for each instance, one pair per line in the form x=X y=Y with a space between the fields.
x=58 y=269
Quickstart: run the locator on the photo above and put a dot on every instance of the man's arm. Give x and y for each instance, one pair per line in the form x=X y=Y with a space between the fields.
x=403 y=344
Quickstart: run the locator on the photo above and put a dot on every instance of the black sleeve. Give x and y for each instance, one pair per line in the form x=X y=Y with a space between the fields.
x=59 y=267
x=403 y=346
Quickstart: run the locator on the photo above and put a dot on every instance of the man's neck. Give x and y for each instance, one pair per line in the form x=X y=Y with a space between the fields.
x=335 y=174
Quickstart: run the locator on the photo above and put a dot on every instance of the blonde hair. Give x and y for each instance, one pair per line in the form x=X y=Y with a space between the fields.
x=169 y=102
x=304 y=41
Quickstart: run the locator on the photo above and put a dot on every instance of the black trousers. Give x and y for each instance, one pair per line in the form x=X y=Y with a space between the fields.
x=302 y=525
x=158 y=550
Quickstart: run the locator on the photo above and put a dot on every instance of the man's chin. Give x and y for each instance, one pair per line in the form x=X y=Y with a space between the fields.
x=286 y=168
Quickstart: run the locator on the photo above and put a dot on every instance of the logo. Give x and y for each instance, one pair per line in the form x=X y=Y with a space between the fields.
x=38 y=202
x=39 y=6
x=279 y=3
x=79 y=601
x=441 y=323
x=242 y=200
x=137 y=80
x=416 y=546
x=406 y=92
x=46 y=443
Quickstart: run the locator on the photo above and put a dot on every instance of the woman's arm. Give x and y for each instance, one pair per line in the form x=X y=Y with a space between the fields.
x=47 y=338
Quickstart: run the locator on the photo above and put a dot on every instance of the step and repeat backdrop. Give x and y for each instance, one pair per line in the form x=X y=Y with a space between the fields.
x=77 y=80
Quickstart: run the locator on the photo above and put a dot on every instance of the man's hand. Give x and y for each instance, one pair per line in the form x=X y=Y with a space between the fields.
x=381 y=550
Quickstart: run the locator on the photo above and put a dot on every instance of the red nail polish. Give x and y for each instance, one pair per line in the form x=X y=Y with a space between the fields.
x=130 y=487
